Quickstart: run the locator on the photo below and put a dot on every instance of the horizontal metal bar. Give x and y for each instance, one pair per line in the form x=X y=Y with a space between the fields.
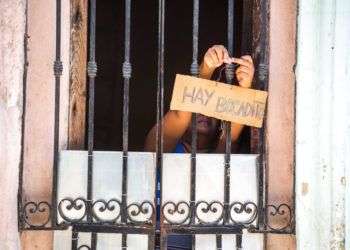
x=35 y=228
x=127 y=229
x=200 y=229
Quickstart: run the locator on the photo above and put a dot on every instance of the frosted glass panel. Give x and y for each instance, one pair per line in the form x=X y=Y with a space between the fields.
x=107 y=185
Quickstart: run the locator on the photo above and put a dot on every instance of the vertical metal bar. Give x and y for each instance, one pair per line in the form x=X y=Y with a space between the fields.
x=126 y=75
x=74 y=239
x=230 y=19
x=92 y=71
x=160 y=112
x=194 y=72
x=263 y=79
x=93 y=241
x=58 y=68
x=227 y=125
x=218 y=242
x=238 y=241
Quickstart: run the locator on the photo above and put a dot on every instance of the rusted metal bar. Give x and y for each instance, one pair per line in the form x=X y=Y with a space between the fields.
x=202 y=229
x=58 y=68
x=92 y=71
x=239 y=241
x=227 y=125
x=160 y=112
x=194 y=72
x=218 y=242
x=261 y=59
x=126 y=75
x=75 y=238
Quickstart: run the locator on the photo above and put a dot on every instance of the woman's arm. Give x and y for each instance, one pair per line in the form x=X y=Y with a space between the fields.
x=175 y=123
x=244 y=75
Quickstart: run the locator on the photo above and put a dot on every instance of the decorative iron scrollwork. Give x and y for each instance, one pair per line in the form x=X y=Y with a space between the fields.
x=72 y=210
x=276 y=218
x=210 y=213
x=84 y=247
x=140 y=212
x=36 y=214
x=92 y=69
x=106 y=211
x=243 y=213
x=284 y=214
x=213 y=210
x=176 y=213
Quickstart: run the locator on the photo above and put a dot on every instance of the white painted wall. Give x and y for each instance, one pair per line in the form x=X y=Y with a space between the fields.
x=323 y=125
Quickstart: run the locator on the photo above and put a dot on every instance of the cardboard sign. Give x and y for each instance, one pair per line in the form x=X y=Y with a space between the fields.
x=219 y=100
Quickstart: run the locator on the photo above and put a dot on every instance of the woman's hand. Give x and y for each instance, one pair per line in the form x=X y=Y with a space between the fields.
x=217 y=55
x=245 y=72
x=213 y=58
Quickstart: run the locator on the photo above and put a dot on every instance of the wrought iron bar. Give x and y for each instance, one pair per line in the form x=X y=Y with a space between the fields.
x=218 y=242
x=160 y=112
x=263 y=79
x=229 y=77
x=75 y=237
x=227 y=125
x=126 y=75
x=194 y=72
x=93 y=241
x=58 y=68
x=92 y=71
x=239 y=241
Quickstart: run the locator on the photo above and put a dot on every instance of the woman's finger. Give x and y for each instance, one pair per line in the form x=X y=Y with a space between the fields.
x=214 y=56
x=241 y=62
x=244 y=69
x=248 y=58
x=242 y=75
x=219 y=53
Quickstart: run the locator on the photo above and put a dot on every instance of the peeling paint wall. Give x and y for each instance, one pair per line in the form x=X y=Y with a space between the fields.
x=280 y=116
x=323 y=125
x=12 y=27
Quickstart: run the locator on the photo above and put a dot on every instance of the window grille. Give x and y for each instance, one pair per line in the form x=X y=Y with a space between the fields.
x=124 y=222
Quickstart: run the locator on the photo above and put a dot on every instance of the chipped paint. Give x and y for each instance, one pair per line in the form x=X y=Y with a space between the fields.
x=343 y=180
x=305 y=188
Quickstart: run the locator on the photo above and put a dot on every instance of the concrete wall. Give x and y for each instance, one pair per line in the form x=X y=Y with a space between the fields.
x=323 y=125
x=12 y=27
x=280 y=117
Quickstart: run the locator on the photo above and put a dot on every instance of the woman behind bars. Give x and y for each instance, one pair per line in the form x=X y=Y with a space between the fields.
x=210 y=138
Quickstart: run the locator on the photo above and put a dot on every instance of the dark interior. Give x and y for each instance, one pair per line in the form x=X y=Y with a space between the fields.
x=178 y=58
